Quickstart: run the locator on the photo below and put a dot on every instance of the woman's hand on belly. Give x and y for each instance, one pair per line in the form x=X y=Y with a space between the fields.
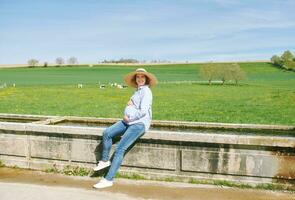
x=130 y=103
x=125 y=118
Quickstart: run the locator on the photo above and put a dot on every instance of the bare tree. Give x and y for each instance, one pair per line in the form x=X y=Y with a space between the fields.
x=72 y=60
x=59 y=61
x=33 y=62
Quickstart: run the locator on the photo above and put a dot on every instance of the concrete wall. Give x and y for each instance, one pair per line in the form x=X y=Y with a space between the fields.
x=158 y=154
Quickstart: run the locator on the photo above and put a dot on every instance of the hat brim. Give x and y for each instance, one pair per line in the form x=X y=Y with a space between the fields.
x=129 y=79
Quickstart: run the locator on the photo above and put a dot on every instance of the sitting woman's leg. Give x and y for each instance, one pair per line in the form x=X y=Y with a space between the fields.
x=107 y=140
x=133 y=132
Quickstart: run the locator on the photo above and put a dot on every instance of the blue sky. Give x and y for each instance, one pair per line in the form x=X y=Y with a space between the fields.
x=182 y=30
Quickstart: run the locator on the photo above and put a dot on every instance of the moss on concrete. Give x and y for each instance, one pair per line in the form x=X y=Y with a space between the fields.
x=2 y=164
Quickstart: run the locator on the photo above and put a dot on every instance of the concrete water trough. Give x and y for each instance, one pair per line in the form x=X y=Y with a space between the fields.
x=242 y=153
x=182 y=126
x=20 y=118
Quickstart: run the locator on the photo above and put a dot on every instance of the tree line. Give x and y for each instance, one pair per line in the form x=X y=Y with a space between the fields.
x=285 y=61
x=58 y=61
x=73 y=60
x=133 y=60
x=122 y=60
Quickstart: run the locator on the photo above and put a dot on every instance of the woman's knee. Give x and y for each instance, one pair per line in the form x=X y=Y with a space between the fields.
x=106 y=133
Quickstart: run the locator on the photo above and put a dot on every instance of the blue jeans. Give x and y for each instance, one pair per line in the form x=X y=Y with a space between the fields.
x=130 y=134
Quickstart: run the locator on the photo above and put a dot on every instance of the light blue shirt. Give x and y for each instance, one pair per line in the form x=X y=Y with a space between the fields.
x=141 y=111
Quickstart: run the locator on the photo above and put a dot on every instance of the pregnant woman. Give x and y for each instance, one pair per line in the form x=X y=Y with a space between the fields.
x=136 y=121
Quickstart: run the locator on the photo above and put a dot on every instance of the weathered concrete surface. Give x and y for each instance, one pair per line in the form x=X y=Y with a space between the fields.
x=158 y=154
x=21 y=184
x=156 y=123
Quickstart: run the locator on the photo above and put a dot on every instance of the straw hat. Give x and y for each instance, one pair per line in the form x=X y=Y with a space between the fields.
x=130 y=79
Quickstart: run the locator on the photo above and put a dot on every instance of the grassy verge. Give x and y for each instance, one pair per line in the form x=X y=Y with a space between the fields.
x=263 y=186
x=70 y=171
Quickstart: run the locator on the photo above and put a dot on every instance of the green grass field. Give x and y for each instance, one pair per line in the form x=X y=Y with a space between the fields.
x=267 y=96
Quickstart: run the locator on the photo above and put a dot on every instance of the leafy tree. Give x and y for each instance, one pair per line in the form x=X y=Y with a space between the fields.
x=224 y=72
x=287 y=56
x=289 y=65
x=208 y=72
x=286 y=61
x=237 y=74
x=276 y=60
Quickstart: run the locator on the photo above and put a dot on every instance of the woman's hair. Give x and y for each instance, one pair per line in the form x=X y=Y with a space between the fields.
x=147 y=80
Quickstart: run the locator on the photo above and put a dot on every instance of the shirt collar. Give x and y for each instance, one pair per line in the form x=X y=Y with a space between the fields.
x=140 y=87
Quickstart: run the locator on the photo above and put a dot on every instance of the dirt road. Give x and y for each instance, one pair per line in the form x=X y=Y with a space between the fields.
x=27 y=184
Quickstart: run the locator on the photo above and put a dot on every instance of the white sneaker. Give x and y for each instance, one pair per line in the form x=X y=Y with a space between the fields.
x=103 y=183
x=101 y=165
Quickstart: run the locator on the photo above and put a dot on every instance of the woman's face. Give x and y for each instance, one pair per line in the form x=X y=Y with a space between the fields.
x=140 y=79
